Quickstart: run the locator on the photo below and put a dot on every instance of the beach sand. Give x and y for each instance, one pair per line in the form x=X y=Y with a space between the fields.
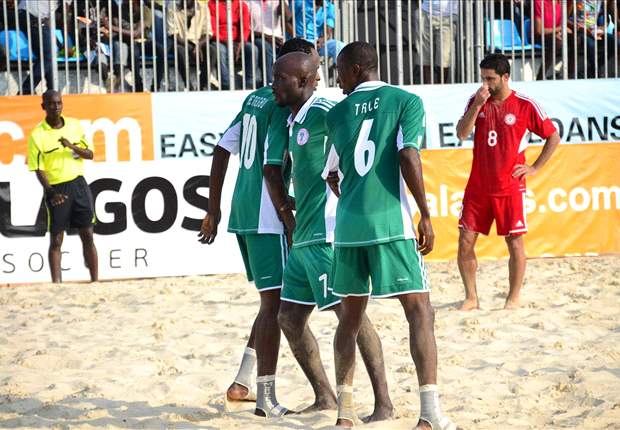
x=160 y=353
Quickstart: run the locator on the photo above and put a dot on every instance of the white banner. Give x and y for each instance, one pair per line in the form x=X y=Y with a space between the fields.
x=148 y=218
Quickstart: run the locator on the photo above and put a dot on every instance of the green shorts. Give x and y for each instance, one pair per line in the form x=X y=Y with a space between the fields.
x=307 y=277
x=264 y=257
x=394 y=268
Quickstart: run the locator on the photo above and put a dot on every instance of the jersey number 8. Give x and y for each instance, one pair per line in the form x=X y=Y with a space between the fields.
x=248 y=141
x=492 y=140
x=363 y=146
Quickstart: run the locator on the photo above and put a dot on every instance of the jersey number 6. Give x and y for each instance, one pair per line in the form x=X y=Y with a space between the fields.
x=363 y=163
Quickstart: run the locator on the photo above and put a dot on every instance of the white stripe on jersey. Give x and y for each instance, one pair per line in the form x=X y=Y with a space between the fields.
x=541 y=113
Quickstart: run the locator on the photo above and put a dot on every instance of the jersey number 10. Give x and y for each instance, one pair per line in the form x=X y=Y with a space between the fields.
x=248 y=141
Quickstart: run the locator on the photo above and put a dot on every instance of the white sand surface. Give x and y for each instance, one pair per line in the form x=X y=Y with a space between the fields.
x=160 y=353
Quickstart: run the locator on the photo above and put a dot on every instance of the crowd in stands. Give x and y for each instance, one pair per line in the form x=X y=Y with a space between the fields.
x=181 y=39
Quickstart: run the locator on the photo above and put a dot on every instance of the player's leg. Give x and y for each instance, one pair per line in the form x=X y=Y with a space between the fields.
x=293 y=320
x=267 y=256
x=352 y=314
x=305 y=285
x=241 y=388
x=511 y=223
x=350 y=282
x=516 y=270
x=476 y=217
x=369 y=344
x=54 y=255
x=82 y=218
x=398 y=269
x=90 y=252
x=468 y=265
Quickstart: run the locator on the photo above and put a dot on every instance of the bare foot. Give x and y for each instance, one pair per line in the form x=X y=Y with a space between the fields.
x=512 y=304
x=381 y=413
x=238 y=393
x=343 y=422
x=469 y=305
x=329 y=403
x=423 y=425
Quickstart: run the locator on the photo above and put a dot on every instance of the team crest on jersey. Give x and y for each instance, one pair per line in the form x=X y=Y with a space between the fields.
x=510 y=119
x=302 y=137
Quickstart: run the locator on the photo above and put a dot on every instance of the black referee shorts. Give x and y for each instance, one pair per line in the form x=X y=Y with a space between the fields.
x=78 y=209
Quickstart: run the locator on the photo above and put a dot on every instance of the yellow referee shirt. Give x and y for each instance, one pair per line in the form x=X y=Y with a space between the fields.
x=46 y=153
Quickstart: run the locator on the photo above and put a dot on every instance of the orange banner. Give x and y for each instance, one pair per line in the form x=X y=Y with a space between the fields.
x=573 y=204
x=120 y=125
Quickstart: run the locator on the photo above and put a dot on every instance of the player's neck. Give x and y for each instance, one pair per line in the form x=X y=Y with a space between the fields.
x=55 y=122
x=499 y=98
x=367 y=77
x=296 y=107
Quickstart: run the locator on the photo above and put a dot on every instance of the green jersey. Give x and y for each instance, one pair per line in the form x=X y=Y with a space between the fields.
x=306 y=142
x=367 y=130
x=251 y=210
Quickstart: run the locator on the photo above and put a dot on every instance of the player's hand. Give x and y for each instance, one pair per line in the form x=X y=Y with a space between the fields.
x=426 y=237
x=482 y=95
x=289 y=225
x=333 y=180
x=64 y=142
x=208 y=229
x=58 y=199
x=523 y=170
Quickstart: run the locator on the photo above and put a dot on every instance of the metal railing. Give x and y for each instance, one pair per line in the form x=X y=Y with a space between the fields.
x=96 y=46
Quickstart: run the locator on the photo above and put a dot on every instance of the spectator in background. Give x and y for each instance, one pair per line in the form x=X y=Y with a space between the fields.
x=36 y=15
x=548 y=28
x=191 y=23
x=10 y=25
x=240 y=34
x=315 y=21
x=121 y=24
x=266 y=21
x=587 y=20
x=438 y=23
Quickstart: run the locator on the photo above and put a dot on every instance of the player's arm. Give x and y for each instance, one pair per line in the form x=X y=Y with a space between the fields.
x=411 y=168
x=82 y=151
x=409 y=142
x=549 y=148
x=229 y=143
x=37 y=165
x=277 y=147
x=466 y=124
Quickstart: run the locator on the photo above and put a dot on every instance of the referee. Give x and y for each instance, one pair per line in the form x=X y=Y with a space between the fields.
x=56 y=149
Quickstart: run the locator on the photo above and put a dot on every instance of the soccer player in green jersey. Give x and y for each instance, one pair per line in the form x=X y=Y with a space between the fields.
x=260 y=234
x=376 y=133
x=307 y=275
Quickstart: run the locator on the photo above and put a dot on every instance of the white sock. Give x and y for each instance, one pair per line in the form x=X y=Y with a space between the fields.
x=430 y=411
x=266 y=402
x=345 y=402
x=246 y=369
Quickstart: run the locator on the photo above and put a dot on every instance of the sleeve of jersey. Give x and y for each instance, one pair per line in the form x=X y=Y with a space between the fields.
x=277 y=140
x=231 y=140
x=411 y=127
x=35 y=158
x=540 y=123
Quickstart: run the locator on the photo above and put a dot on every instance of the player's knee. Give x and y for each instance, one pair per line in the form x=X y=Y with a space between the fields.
x=418 y=307
x=287 y=321
x=55 y=242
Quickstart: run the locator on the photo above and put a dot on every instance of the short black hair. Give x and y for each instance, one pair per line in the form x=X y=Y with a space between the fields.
x=497 y=62
x=360 y=53
x=296 y=44
x=49 y=93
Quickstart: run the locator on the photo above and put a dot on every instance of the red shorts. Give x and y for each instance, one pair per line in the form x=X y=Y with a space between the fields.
x=479 y=211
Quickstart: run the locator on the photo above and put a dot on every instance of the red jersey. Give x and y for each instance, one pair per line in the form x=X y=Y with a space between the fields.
x=501 y=135
x=239 y=12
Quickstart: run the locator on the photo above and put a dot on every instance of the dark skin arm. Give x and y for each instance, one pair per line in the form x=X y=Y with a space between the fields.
x=84 y=153
x=411 y=168
x=57 y=198
x=281 y=201
x=208 y=230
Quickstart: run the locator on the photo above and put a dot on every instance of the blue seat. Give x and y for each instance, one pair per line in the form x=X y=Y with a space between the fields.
x=61 y=41
x=16 y=37
x=505 y=36
x=527 y=32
